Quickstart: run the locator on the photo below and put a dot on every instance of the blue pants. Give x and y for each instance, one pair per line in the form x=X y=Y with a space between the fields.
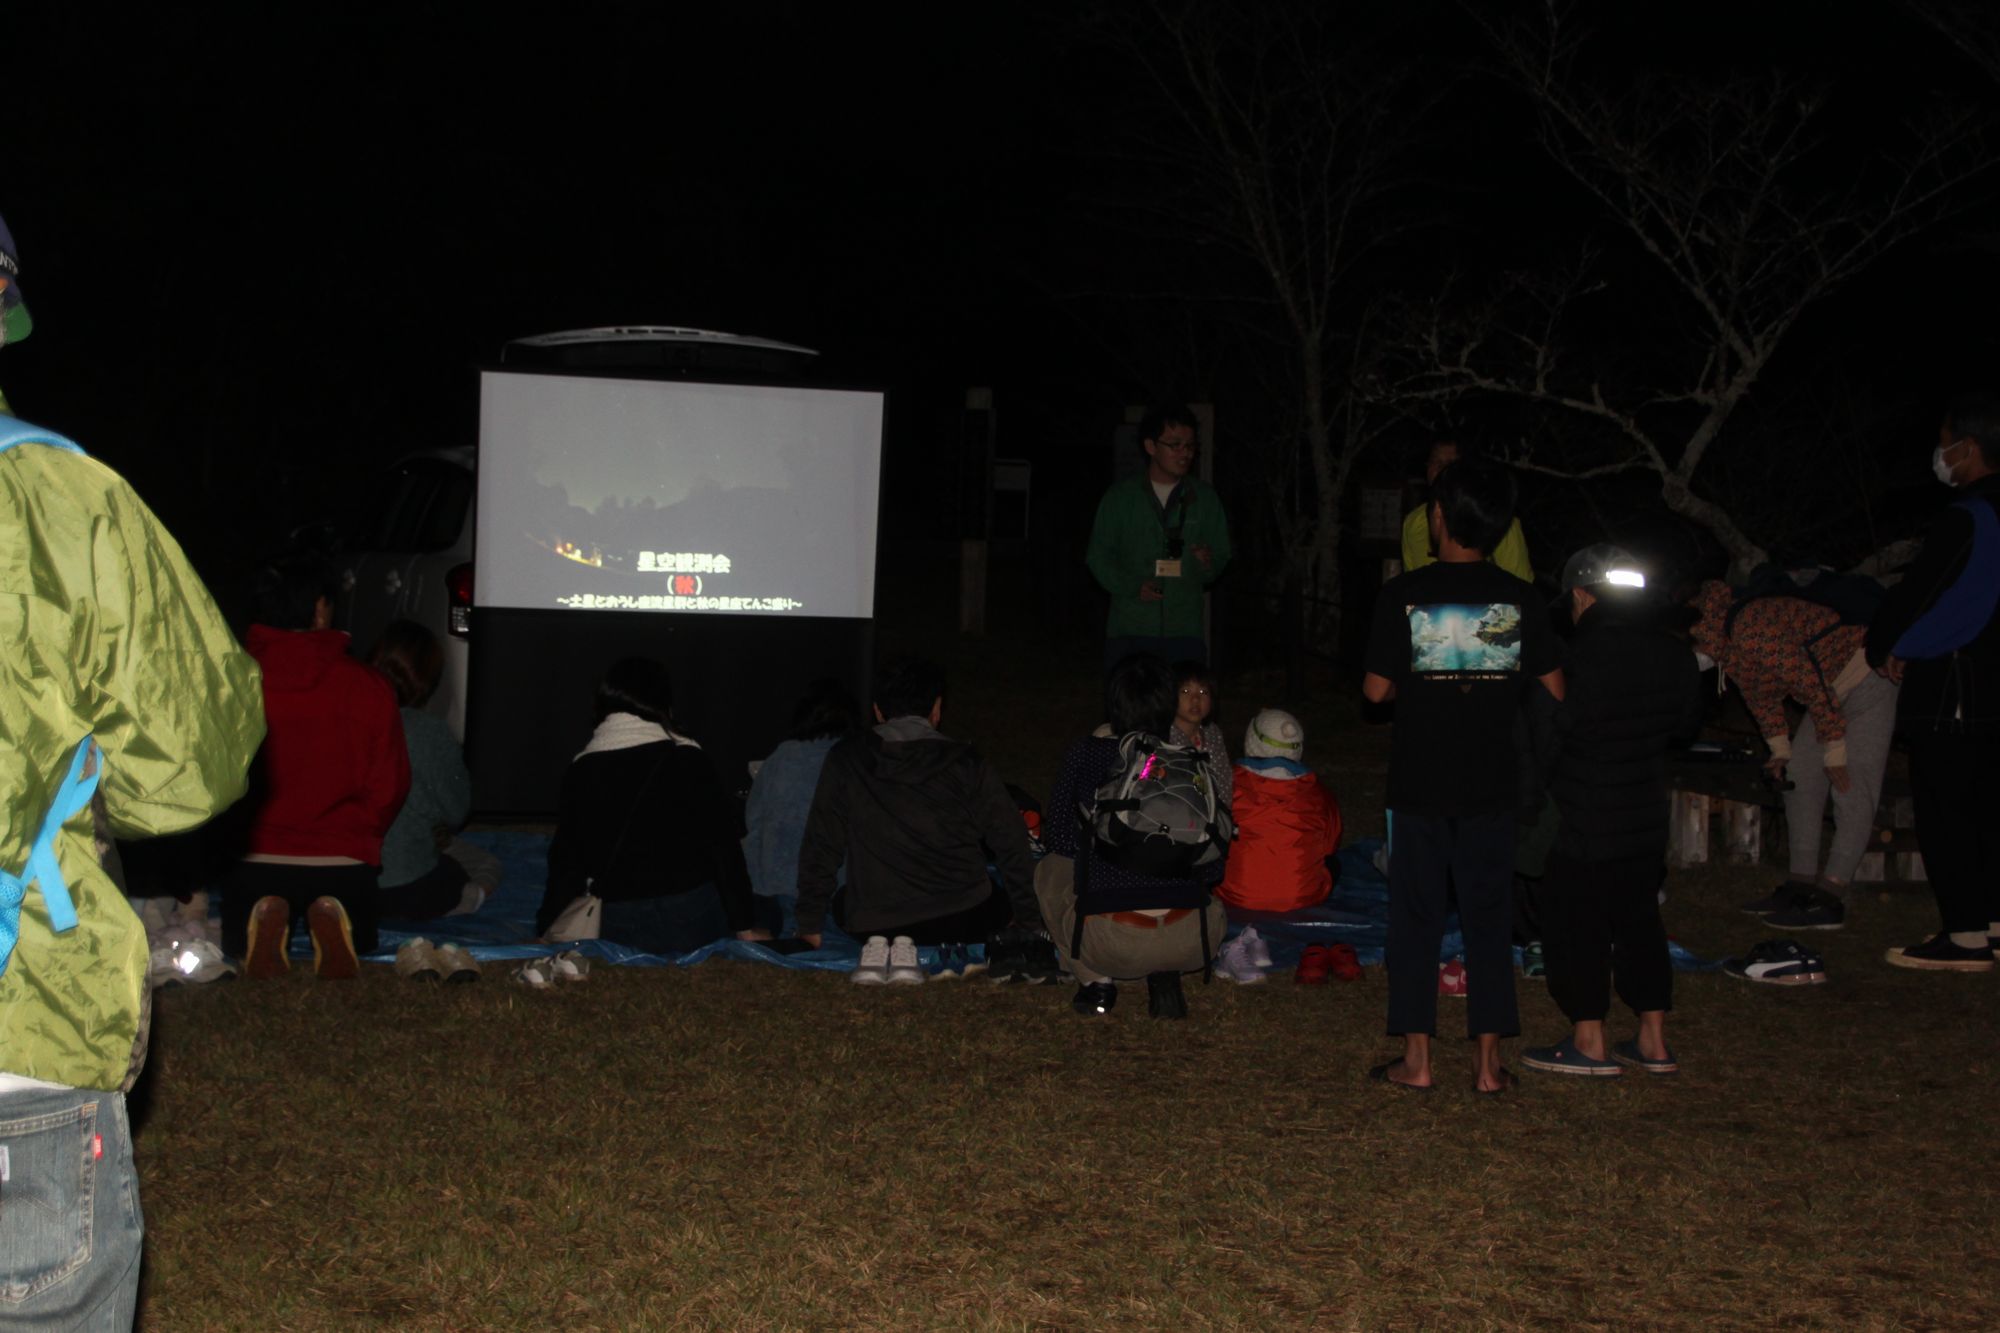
x=670 y=925
x=1473 y=854
x=70 y=1229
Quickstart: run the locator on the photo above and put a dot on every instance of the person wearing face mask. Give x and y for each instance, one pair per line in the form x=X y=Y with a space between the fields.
x=1631 y=691
x=1938 y=634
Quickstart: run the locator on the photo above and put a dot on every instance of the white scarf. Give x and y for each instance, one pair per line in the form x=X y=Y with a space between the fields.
x=623 y=731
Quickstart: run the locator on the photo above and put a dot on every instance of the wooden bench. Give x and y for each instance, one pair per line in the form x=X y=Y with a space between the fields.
x=1735 y=799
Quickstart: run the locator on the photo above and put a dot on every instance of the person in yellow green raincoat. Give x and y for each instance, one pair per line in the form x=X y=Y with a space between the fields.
x=119 y=677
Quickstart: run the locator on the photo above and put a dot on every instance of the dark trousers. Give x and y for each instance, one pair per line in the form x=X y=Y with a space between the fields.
x=669 y=925
x=1955 y=789
x=428 y=896
x=970 y=926
x=1189 y=648
x=1434 y=853
x=1601 y=928
x=353 y=886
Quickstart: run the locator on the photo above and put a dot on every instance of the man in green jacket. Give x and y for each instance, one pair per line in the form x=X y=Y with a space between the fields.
x=1159 y=541
x=118 y=678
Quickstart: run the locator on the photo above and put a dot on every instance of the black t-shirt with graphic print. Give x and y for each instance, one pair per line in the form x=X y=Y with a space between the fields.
x=1462 y=642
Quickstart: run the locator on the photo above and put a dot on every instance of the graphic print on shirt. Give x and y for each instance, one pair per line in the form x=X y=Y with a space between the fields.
x=1453 y=641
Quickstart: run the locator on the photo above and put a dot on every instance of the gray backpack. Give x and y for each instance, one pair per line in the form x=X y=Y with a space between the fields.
x=1157 y=814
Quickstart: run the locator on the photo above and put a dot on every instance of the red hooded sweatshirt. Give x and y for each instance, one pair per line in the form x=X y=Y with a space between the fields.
x=334 y=766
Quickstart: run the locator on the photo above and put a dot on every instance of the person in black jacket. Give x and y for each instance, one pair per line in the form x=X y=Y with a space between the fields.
x=917 y=816
x=1930 y=636
x=645 y=826
x=1633 y=690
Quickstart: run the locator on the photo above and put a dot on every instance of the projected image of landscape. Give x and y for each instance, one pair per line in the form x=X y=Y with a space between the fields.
x=622 y=495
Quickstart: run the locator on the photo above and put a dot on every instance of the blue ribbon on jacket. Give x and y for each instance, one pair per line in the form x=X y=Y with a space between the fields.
x=75 y=792
x=43 y=869
x=1964 y=609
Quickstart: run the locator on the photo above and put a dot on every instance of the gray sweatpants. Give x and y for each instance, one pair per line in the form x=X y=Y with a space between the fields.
x=1870 y=709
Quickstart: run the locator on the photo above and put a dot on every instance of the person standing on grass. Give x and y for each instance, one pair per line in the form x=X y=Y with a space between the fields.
x=1420 y=549
x=1456 y=644
x=917 y=816
x=1776 y=648
x=1939 y=635
x=1631 y=690
x=1159 y=540
x=120 y=676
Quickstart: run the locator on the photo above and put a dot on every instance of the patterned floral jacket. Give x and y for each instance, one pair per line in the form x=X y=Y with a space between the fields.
x=1781 y=647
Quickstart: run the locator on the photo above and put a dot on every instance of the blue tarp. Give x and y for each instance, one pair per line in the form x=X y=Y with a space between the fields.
x=1357 y=913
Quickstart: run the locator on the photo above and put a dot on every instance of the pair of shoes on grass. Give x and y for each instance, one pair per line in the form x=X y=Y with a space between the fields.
x=1797 y=905
x=267 y=956
x=545 y=973
x=1023 y=957
x=1940 y=954
x=1778 y=963
x=1564 y=1058
x=1321 y=962
x=1164 y=997
x=886 y=962
x=955 y=962
x=420 y=960
x=1244 y=959
x=188 y=963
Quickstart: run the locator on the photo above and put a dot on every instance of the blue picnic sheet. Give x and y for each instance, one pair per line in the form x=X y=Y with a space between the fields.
x=1357 y=912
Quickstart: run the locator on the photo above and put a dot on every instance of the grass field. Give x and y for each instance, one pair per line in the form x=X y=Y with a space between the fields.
x=743 y=1147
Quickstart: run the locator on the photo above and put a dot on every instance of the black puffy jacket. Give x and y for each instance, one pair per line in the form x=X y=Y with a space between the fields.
x=1631 y=693
x=1959 y=692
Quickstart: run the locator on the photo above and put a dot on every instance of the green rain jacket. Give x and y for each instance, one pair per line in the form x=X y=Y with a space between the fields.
x=1131 y=533
x=105 y=632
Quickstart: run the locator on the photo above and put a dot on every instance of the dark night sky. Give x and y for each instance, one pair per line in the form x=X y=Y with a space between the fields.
x=265 y=249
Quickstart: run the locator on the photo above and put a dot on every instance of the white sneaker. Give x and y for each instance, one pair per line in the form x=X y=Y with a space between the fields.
x=904 y=970
x=1260 y=951
x=1236 y=964
x=569 y=965
x=873 y=970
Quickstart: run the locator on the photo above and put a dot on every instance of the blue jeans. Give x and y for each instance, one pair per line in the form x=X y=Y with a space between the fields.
x=70 y=1230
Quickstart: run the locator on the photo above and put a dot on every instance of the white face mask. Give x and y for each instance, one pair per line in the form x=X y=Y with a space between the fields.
x=1703 y=662
x=1941 y=468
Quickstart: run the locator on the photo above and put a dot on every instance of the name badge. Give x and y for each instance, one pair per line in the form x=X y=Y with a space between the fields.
x=1166 y=569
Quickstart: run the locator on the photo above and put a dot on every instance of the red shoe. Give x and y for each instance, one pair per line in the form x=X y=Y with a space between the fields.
x=1314 y=965
x=1346 y=966
x=1451 y=979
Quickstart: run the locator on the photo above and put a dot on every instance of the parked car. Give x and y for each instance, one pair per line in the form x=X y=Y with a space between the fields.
x=414 y=561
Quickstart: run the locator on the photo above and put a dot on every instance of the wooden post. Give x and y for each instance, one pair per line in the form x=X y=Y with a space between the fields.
x=1687 y=835
x=972 y=586
x=1743 y=830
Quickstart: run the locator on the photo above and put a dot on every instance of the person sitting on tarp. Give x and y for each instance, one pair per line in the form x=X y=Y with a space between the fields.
x=781 y=795
x=645 y=840
x=420 y=878
x=1143 y=925
x=1287 y=824
x=917 y=816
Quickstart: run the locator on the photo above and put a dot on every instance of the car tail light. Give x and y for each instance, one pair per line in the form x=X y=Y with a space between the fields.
x=458 y=583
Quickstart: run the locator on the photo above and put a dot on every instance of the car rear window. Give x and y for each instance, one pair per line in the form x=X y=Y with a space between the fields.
x=425 y=509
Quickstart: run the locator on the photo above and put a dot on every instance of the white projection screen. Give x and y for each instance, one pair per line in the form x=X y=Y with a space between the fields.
x=651 y=495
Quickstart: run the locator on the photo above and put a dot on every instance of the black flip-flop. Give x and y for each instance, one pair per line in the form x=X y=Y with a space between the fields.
x=1380 y=1073
x=1508 y=1082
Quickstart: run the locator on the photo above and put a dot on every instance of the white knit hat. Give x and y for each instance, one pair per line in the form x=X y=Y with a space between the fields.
x=1274 y=734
